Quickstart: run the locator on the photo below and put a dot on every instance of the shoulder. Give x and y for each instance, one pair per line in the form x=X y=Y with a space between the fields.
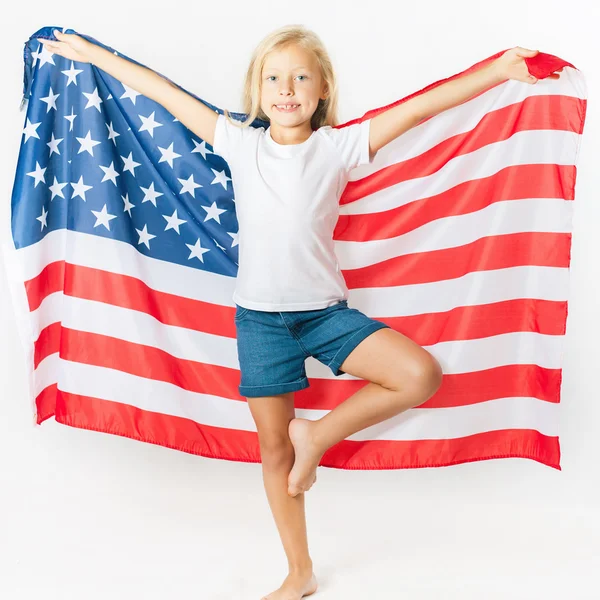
x=231 y=137
x=344 y=132
x=351 y=142
x=235 y=126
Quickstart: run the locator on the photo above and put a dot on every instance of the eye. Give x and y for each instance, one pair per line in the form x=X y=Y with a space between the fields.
x=270 y=76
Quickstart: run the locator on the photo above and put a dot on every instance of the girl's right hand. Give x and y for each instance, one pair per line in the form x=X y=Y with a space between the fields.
x=69 y=45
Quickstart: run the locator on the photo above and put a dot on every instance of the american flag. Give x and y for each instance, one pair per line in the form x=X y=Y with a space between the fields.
x=124 y=249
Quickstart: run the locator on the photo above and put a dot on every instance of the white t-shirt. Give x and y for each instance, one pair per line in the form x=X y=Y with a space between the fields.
x=287 y=205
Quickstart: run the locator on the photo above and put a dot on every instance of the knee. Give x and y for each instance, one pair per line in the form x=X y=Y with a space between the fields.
x=276 y=449
x=427 y=377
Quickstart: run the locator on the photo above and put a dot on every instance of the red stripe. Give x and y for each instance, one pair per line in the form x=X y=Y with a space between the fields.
x=512 y=183
x=323 y=394
x=232 y=444
x=130 y=292
x=485 y=254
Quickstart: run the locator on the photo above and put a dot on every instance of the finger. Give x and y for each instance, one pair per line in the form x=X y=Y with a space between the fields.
x=525 y=52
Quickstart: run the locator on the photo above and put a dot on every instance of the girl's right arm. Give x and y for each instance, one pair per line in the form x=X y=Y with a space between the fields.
x=195 y=115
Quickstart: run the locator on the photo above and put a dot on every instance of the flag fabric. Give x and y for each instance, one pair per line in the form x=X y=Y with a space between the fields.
x=123 y=253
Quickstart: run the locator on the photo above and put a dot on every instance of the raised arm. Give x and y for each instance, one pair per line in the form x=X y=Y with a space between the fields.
x=395 y=121
x=195 y=115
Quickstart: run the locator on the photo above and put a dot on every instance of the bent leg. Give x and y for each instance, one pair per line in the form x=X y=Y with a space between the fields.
x=401 y=373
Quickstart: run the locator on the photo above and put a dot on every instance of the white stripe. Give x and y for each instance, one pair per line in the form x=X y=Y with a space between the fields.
x=460 y=356
x=415 y=424
x=500 y=218
x=98 y=252
x=473 y=289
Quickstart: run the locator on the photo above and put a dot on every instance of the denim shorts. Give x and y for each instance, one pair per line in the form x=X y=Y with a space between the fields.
x=272 y=346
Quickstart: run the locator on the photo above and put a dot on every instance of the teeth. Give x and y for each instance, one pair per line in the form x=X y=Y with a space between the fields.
x=284 y=107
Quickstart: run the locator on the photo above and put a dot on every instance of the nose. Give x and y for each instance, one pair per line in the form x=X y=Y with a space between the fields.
x=285 y=88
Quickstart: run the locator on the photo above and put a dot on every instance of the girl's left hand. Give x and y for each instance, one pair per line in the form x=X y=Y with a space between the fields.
x=512 y=65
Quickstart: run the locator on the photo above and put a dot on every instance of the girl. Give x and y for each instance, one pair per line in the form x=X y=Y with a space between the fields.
x=291 y=298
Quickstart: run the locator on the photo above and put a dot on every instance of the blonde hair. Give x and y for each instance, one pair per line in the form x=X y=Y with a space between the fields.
x=326 y=112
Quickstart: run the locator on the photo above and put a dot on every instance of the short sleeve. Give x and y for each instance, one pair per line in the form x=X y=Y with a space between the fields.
x=229 y=138
x=352 y=143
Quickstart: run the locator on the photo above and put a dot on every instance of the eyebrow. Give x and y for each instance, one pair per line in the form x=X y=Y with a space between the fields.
x=294 y=69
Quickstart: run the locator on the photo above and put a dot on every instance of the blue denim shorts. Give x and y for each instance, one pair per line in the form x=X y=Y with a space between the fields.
x=272 y=346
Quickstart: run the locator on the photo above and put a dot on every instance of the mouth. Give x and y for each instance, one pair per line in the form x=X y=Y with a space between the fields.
x=286 y=108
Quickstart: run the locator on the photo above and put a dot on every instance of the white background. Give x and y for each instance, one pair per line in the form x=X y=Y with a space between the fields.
x=85 y=515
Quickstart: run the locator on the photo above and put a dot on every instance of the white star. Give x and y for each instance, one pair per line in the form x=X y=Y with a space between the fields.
x=201 y=148
x=36 y=54
x=79 y=188
x=128 y=205
x=93 y=99
x=235 y=237
x=173 y=222
x=45 y=56
x=53 y=144
x=189 y=185
x=197 y=251
x=212 y=212
x=130 y=93
x=109 y=97
x=38 y=174
x=42 y=218
x=149 y=124
x=87 y=143
x=72 y=74
x=168 y=154
x=130 y=164
x=50 y=100
x=112 y=134
x=220 y=177
x=30 y=130
x=56 y=188
x=103 y=218
x=110 y=173
x=145 y=237
x=71 y=118
x=150 y=195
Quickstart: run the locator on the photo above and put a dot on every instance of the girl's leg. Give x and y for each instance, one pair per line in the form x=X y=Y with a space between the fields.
x=272 y=415
x=402 y=375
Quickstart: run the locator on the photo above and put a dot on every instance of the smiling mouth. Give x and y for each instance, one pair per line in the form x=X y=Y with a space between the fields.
x=286 y=107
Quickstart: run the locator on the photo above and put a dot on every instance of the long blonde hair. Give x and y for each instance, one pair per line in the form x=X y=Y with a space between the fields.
x=326 y=112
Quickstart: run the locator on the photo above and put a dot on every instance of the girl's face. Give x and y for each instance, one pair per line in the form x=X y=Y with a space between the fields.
x=291 y=75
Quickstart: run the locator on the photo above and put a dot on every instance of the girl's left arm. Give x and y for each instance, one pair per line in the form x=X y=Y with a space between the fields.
x=393 y=122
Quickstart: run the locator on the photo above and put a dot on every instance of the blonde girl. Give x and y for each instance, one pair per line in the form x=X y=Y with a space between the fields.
x=290 y=296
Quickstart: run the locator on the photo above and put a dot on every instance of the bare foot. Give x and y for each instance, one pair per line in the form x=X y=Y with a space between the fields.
x=304 y=472
x=294 y=587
